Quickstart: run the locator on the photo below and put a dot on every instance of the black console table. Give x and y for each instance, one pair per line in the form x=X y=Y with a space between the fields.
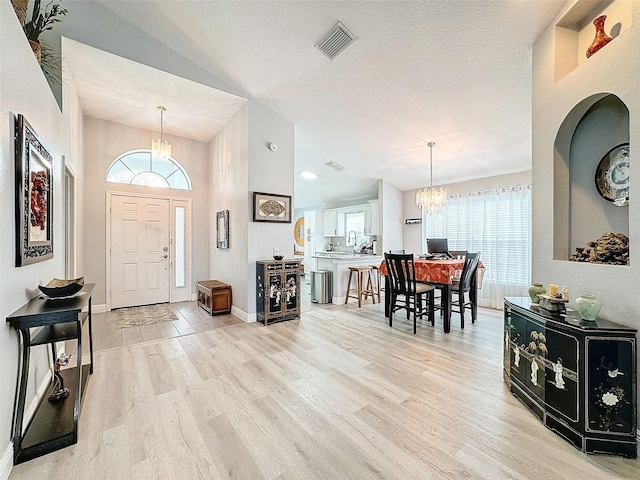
x=579 y=377
x=54 y=424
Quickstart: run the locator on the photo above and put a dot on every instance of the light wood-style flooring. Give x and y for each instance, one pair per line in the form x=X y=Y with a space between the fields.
x=191 y=319
x=335 y=395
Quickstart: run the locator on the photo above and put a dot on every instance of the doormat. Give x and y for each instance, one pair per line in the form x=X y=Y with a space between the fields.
x=137 y=316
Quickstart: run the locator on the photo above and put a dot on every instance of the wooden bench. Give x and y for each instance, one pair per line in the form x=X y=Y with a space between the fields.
x=214 y=296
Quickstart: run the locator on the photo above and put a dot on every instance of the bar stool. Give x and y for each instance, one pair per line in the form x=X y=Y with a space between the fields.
x=374 y=286
x=360 y=271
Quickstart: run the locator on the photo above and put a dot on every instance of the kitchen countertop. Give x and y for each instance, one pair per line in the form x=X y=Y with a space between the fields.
x=345 y=256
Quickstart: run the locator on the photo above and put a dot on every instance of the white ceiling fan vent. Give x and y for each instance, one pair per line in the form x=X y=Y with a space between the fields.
x=335 y=166
x=335 y=42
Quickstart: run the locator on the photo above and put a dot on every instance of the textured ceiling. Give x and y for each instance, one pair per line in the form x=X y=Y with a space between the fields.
x=119 y=90
x=457 y=73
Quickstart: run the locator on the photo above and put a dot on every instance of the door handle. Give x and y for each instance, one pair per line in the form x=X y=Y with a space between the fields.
x=165 y=256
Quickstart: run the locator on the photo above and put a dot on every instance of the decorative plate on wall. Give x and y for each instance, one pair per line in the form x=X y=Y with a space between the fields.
x=612 y=175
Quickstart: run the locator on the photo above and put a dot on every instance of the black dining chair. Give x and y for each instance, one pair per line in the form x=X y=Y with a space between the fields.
x=405 y=292
x=463 y=285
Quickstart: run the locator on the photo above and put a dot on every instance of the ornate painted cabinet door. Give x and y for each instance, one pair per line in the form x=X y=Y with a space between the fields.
x=579 y=377
x=277 y=290
x=610 y=386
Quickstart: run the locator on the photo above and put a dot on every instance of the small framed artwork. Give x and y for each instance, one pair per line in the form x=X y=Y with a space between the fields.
x=34 y=180
x=222 y=229
x=270 y=207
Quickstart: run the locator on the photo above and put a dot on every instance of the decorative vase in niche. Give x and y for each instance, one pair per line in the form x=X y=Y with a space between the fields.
x=588 y=306
x=601 y=38
x=534 y=290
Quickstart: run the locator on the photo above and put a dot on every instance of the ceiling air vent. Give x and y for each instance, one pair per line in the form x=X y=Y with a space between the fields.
x=336 y=41
x=335 y=166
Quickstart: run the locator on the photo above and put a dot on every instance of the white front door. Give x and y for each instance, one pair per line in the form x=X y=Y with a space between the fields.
x=139 y=251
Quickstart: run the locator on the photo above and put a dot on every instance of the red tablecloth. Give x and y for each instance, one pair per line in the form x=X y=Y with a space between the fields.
x=438 y=271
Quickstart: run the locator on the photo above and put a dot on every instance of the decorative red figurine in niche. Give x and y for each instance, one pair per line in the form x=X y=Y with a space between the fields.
x=601 y=38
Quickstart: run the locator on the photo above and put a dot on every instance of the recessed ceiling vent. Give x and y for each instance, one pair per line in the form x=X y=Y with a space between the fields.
x=335 y=166
x=336 y=41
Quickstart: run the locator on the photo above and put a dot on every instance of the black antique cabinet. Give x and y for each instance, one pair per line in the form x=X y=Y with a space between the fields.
x=578 y=377
x=277 y=290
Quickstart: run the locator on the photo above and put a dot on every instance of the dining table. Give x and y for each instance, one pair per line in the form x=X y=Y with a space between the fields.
x=441 y=272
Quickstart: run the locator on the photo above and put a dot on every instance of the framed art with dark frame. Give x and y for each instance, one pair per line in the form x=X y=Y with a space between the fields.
x=34 y=180
x=271 y=207
x=222 y=229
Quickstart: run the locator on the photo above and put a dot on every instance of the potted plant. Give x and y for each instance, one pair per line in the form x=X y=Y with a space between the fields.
x=42 y=20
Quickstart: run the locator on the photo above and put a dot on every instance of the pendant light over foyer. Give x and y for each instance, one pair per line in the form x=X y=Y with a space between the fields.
x=160 y=149
x=431 y=199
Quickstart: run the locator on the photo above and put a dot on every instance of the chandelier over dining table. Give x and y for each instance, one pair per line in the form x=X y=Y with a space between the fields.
x=431 y=199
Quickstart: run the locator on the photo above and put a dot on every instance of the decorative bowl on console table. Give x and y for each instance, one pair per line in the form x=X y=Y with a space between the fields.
x=58 y=288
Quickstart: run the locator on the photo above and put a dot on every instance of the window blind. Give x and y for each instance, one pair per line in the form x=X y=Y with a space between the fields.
x=496 y=223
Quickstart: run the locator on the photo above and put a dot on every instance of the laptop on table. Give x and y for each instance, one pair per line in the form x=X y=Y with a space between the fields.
x=438 y=248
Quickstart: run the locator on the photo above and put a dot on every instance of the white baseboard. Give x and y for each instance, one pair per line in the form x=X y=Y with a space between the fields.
x=99 y=308
x=242 y=315
x=339 y=300
x=194 y=297
x=6 y=462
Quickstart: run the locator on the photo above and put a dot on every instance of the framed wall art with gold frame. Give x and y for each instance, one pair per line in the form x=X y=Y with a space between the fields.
x=34 y=199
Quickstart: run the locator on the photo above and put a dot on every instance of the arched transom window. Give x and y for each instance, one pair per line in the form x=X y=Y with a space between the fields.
x=138 y=168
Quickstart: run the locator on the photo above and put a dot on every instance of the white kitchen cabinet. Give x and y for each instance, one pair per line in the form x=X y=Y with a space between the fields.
x=310 y=223
x=333 y=223
x=330 y=222
x=373 y=225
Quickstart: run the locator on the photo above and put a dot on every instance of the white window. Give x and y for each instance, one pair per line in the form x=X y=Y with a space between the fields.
x=497 y=224
x=138 y=168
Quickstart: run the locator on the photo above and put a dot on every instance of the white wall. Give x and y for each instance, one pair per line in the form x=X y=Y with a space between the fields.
x=228 y=180
x=23 y=89
x=552 y=102
x=391 y=204
x=103 y=142
x=74 y=123
x=269 y=172
x=242 y=163
x=412 y=237
x=614 y=70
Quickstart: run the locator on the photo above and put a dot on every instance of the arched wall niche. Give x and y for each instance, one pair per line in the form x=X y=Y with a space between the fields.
x=592 y=128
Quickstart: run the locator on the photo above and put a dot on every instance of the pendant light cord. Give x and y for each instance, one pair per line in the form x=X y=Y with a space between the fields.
x=162 y=109
x=431 y=145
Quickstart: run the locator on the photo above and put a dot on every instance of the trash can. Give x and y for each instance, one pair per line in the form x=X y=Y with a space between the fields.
x=321 y=286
